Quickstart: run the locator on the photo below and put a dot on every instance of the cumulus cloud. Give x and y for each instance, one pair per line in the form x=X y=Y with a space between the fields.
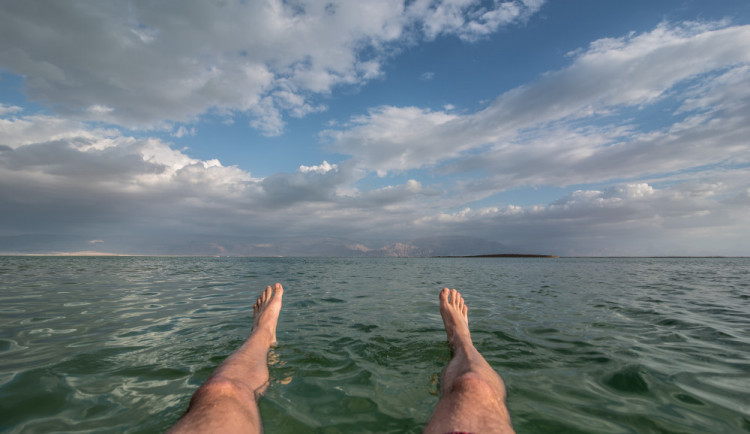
x=308 y=184
x=79 y=176
x=149 y=65
x=104 y=186
x=394 y=198
x=66 y=179
x=585 y=124
x=579 y=124
x=678 y=185
x=625 y=219
x=325 y=167
x=397 y=138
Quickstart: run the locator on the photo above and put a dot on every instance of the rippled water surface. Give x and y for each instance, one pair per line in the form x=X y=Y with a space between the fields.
x=584 y=345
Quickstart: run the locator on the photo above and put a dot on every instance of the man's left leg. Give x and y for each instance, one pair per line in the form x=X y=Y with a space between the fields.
x=228 y=400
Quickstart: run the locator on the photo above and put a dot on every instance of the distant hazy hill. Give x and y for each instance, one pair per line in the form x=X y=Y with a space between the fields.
x=245 y=246
x=441 y=246
x=315 y=246
x=321 y=246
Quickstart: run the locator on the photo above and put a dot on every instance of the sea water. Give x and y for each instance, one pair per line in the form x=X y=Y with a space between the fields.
x=119 y=344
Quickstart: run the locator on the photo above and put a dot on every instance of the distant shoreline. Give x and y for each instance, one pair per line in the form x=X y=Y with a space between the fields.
x=501 y=255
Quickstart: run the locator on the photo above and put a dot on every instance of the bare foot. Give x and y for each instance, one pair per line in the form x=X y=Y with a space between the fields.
x=266 y=310
x=455 y=317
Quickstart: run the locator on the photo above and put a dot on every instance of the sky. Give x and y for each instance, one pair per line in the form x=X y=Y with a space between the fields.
x=592 y=128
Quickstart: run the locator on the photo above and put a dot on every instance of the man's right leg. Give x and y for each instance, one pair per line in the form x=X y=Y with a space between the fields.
x=472 y=395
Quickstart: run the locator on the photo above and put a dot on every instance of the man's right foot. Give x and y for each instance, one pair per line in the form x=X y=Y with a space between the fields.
x=455 y=317
x=267 y=309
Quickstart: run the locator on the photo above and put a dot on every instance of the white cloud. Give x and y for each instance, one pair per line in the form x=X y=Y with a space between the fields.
x=142 y=189
x=6 y=109
x=71 y=180
x=680 y=186
x=428 y=76
x=98 y=178
x=101 y=165
x=394 y=138
x=628 y=219
x=98 y=109
x=183 y=131
x=468 y=19
x=149 y=65
x=26 y=130
x=538 y=134
x=324 y=167
x=394 y=198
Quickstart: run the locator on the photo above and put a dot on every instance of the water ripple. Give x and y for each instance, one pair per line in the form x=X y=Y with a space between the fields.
x=584 y=345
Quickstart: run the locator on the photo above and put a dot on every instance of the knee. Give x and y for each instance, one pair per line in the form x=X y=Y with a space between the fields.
x=215 y=389
x=475 y=385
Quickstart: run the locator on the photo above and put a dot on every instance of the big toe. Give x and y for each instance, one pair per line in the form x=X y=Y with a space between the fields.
x=444 y=295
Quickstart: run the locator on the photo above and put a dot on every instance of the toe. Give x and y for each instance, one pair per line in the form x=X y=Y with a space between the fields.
x=444 y=294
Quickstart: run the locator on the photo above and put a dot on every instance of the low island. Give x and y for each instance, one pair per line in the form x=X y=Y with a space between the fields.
x=501 y=255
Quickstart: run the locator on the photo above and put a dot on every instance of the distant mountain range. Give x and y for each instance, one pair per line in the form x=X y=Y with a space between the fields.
x=442 y=246
x=241 y=246
x=422 y=247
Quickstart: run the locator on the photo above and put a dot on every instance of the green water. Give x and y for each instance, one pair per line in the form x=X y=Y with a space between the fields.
x=584 y=345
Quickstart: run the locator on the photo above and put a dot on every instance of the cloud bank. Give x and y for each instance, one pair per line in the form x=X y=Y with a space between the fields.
x=639 y=185
x=155 y=65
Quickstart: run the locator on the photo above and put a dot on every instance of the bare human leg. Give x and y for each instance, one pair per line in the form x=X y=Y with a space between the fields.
x=472 y=394
x=228 y=401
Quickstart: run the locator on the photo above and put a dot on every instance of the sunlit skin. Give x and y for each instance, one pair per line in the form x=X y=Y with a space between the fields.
x=228 y=401
x=472 y=393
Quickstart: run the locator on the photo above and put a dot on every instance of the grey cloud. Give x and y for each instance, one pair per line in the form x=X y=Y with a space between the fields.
x=62 y=159
x=171 y=205
x=285 y=189
x=408 y=194
x=150 y=65
x=58 y=176
x=54 y=186
x=634 y=219
x=104 y=187
x=332 y=191
x=741 y=199
x=80 y=182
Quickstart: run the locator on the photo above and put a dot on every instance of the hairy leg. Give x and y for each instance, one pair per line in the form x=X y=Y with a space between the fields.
x=472 y=394
x=228 y=400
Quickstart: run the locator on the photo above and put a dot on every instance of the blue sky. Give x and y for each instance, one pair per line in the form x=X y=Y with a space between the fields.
x=571 y=128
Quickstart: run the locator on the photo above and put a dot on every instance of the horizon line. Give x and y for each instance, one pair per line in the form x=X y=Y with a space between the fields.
x=490 y=256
